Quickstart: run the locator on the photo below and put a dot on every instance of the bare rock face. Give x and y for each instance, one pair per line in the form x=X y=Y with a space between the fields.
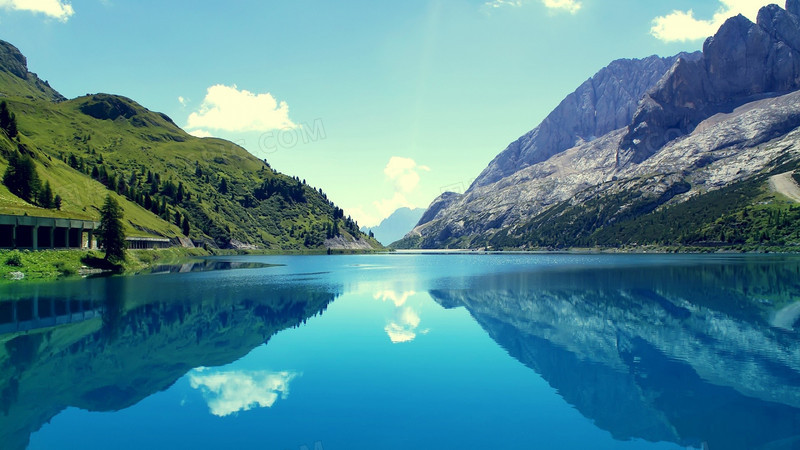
x=13 y=60
x=604 y=103
x=439 y=204
x=743 y=62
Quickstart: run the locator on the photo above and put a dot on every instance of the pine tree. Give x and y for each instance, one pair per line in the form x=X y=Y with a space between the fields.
x=185 y=226
x=57 y=202
x=12 y=127
x=45 y=197
x=8 y=121
x=21 y=177
x=111 y=236
x=5 y=116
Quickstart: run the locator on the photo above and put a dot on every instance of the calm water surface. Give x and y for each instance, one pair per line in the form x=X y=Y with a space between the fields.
x=409 y=352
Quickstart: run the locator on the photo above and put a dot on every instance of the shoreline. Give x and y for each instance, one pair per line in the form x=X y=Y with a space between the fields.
x=56 y=265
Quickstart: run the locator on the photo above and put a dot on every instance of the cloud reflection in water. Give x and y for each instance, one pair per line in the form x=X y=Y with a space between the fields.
x=403 y=326
x=233 y=391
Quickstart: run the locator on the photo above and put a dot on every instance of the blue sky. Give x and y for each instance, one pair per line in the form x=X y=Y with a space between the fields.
x=381 y=104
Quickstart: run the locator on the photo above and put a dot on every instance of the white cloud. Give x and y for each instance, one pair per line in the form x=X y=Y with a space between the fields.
x=570 y=6
x=56 y=9
x=230 y=109
x=404 y=172
x=501 y=3
x=387 y=206
x=681 y=26
x=201 y=133
x=182 y=101
x=230 y=392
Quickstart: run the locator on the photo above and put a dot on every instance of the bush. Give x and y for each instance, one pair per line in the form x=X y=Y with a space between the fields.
x=14 y=260
x=64 y=269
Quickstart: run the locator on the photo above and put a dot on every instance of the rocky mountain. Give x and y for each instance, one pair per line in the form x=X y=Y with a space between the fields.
x=170 y=184
x=675 y=151
x=395 y=226
x=603 y=103
x=743 y=62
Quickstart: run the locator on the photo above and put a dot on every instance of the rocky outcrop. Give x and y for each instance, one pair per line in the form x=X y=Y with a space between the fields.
x=743 y=62
x=347 y=243
x=14 y=62
x=604 y=103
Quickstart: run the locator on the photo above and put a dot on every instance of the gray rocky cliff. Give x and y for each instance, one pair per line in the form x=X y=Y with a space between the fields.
x=438 y=205
x=604 y=103
x=744 y=61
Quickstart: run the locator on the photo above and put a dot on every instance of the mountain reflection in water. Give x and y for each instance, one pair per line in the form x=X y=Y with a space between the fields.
x=674 y=350
x=150 y=332
x=697 y=355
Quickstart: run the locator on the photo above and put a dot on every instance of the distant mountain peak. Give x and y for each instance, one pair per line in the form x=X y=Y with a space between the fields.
x=394 y=227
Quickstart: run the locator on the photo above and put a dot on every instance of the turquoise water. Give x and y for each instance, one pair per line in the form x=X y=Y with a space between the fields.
x=409 y=352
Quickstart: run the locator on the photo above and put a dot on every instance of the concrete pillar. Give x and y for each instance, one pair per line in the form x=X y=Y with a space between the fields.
x=91 y=238
x=36 y=237
x=66 y=237
x=14 y=236
x=53 y=236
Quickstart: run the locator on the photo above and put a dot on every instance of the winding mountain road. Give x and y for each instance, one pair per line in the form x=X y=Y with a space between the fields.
x=785 y=184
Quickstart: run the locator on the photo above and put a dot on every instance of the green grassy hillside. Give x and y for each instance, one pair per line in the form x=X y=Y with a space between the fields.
x=94 y=145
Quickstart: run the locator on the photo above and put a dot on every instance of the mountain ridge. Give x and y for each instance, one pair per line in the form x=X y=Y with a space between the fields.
x=100 y=144
x=679 y=150
x=603 y=103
